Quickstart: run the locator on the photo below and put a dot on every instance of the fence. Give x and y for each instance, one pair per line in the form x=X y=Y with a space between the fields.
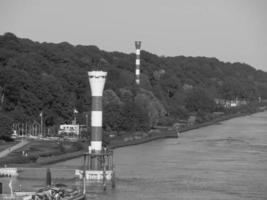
x=33 y=129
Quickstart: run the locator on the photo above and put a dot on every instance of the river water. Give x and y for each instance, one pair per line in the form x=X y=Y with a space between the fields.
x=223 y=161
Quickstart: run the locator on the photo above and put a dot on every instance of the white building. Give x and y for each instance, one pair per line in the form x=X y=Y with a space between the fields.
x=69 y=129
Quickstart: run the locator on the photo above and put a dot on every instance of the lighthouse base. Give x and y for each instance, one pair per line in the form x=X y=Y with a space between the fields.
x=97 y=168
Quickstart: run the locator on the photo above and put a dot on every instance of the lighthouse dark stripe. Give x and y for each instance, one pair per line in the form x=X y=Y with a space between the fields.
x=97 y=133
x=97 y=103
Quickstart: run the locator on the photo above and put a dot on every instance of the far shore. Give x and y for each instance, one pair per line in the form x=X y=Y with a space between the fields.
x=118 y=143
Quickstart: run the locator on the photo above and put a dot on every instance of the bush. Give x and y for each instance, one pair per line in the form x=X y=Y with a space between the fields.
x=5 y=127
x=199 y=100
x=6 y=138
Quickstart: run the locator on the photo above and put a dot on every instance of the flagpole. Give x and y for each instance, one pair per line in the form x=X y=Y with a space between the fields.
x=74 y=113
x=41 y=123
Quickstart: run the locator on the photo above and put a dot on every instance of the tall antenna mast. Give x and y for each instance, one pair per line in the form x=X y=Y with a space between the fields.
x=137 y=62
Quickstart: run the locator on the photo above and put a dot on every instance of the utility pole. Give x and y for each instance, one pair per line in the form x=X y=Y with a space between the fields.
x=41 y=115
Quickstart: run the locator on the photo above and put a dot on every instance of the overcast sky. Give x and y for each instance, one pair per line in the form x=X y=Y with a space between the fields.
x=231 y=30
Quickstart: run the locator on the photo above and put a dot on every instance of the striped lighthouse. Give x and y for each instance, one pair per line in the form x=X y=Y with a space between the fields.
x=97 y=81
x=137 y=62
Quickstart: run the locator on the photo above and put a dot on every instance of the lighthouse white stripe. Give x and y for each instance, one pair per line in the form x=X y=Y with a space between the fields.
x=137 y=71
x=96 y=145
x=96 y=120
x=137 y=62
x=138 y=51
x=97 y=86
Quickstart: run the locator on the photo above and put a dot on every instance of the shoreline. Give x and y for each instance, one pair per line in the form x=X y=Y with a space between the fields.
x=183 y=130
x=161 y=135
x=119 y=143
x=217 y=120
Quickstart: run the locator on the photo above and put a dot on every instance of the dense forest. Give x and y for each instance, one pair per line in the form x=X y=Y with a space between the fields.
x=52 y=79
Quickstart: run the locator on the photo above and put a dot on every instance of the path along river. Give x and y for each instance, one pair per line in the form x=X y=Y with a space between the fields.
x=223 y=161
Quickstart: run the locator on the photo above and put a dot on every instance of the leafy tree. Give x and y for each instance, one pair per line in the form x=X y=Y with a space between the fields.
x=151 y=105
x=53 y=78
x=134 y=118
x=126 y=95
x=110 y=97
x=113 y=117
x=198 y=99
x=5 y=126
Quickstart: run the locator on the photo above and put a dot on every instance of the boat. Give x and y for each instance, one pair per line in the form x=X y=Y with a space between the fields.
x=60 y=192
x=57 y=192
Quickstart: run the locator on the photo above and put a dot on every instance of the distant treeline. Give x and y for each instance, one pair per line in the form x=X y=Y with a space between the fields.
x=52 y=79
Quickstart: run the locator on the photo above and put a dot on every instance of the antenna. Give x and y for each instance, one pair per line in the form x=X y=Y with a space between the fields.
x=137 y=62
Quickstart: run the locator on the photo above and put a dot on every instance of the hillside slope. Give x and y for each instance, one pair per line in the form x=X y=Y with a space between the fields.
x=53 y=78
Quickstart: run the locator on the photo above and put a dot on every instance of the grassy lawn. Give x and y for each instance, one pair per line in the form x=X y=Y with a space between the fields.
x=46 y=148
x=36 y=149
x=5 y=145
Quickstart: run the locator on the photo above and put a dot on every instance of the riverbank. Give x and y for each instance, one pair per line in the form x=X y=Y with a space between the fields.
x=134 y=139
x=39 y=152
x=161 y=133
x=226 y=161
x=170 y=132
x=215 y=121
x=156 y=134
x=116 y=143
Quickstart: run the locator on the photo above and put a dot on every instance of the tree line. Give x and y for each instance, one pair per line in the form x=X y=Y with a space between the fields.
x=52 y=78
